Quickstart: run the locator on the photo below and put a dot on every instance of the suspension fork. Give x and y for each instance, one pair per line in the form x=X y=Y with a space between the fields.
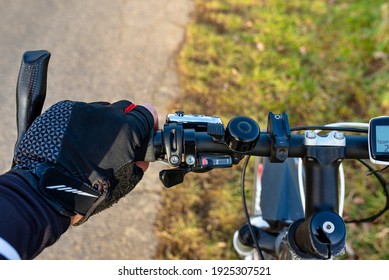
x=322 y=233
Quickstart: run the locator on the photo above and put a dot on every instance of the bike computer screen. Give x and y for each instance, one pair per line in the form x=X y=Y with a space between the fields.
x=379 y=140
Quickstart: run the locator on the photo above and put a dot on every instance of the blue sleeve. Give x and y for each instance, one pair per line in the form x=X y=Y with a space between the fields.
x=27 y=223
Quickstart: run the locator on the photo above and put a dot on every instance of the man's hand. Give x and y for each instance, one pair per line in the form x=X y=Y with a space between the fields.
x=86 y=156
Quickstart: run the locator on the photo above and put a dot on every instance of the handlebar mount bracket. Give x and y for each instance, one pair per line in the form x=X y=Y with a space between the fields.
x=177 y=143
x=279 y=131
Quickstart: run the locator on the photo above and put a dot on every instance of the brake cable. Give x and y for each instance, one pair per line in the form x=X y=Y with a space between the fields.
x=245 y=208
x=383 y=183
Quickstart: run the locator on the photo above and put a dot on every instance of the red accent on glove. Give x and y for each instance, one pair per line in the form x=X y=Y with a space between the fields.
x=129 y=108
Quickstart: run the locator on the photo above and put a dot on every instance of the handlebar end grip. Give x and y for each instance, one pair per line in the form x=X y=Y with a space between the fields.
x=31 y=89
x=154 y=149
x=150 y=152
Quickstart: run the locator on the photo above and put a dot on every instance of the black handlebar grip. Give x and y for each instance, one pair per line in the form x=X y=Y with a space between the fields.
x=31 y=89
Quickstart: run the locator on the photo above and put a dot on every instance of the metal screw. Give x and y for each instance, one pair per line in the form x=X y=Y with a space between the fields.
x=190 y=160
x=174 y=160
x=328 y=227
x=339 y=135
x=310 y=135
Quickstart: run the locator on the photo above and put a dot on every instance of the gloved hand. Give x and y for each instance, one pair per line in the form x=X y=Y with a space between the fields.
x=80 y=157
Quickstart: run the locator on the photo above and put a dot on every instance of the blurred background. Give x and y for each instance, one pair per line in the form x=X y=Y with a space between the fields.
x=320 y=61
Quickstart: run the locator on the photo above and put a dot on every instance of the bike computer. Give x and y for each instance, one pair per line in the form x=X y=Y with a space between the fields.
x=379 y=140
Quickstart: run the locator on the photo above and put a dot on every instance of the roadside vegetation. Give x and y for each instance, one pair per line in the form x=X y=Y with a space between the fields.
x=320 y=62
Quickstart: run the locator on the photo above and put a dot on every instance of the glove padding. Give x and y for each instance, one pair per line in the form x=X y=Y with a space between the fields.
x=93 y=145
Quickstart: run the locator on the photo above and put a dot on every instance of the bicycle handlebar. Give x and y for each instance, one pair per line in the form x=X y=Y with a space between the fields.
x=242 y=136
x=199 y=145
x=356 y=146
x=191 y=148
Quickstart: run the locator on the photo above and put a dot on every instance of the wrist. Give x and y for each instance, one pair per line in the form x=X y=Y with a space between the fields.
x=32 y=181
x=68 y=196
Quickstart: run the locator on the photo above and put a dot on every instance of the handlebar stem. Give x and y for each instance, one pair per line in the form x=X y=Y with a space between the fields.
x=322 y=233
x=321 y=179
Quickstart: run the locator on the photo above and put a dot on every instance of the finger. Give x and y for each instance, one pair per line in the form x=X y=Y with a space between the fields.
x=153 y=111
x=142 y=164
x=75 y=219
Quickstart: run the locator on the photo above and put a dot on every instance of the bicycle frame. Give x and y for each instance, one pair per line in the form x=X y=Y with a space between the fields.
x=276 y=204
x=278 y=208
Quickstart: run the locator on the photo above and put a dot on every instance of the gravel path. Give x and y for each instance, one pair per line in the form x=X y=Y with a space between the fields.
x=101 y=51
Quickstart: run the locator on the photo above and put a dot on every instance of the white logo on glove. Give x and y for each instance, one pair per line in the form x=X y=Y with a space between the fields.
x=69 y=189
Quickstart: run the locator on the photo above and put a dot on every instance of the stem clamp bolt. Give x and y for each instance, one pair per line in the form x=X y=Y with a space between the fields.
x=328 y=227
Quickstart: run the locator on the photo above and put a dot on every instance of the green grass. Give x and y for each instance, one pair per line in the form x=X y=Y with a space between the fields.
x=319 y=61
